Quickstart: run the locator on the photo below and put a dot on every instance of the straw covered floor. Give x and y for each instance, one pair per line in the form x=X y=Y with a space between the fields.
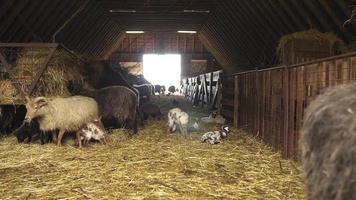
x=151 y=165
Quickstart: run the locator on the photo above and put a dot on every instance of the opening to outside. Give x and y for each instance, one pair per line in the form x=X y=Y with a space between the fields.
x=162 y=69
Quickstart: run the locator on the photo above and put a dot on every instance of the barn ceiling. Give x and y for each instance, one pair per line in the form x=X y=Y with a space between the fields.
x=159 y=15
x=241 y=34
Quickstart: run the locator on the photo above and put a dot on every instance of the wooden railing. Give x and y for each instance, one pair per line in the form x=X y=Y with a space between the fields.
x=203 y=90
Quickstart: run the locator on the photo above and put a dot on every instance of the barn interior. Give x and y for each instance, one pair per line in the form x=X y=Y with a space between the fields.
x=257 y=64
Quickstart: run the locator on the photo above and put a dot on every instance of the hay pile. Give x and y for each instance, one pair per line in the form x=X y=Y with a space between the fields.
x=312 y=35
x=62 y=68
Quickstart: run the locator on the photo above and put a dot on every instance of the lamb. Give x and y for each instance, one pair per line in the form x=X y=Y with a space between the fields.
x=328 y=144
x=66 y=114
x=214 y=117
x=178 y=117
x=172 y=89
x=27 y=131
x=92 y=130
x=213 y=137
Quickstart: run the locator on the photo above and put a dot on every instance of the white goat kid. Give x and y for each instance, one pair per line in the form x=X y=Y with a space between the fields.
x=177 y=117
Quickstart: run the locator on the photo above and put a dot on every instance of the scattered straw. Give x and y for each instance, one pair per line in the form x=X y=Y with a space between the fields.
x=151 y=165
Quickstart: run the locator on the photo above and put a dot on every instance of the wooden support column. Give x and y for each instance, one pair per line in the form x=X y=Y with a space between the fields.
x=211 y=87
x=205 y=91
x=236 y=102
x=286 y=83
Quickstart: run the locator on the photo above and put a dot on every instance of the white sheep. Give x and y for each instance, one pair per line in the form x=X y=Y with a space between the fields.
x=213 y=137
x=66 y=114
x=178 y=117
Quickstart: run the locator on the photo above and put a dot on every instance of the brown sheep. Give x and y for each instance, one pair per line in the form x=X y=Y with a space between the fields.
x=328 y=143
x=118 y=106
x=65 y=114
x=150 y=109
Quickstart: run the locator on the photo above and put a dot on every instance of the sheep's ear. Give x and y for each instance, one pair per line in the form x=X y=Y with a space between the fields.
x=27 y=98
x=41 y=101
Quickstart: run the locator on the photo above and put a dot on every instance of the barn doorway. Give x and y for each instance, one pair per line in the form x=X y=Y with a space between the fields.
x=162 y=69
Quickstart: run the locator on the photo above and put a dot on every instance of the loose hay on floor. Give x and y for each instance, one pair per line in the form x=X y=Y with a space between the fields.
x=152 y=165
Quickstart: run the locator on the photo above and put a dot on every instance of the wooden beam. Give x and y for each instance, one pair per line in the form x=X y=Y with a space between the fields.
x=43 y=67
x=236 y=102
x=32 y=45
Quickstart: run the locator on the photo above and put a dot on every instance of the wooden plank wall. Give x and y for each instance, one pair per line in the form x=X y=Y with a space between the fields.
x=269 y=104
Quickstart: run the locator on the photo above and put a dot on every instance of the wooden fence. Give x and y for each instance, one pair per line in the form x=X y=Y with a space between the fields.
x=203 y=89
x=270 y=103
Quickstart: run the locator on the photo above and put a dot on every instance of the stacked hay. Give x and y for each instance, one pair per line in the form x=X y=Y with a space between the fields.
x=308 y=45
x=62 y=68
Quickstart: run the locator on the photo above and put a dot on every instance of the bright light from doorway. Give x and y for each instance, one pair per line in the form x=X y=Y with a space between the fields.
x=162 y=69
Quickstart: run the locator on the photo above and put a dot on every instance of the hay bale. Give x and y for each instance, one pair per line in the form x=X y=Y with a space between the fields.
x=308 y=45
x=62 y=68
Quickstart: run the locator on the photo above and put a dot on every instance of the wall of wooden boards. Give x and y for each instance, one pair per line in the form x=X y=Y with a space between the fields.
x=270 y=104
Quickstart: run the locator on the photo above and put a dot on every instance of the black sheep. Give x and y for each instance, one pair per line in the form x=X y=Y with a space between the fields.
x=29 y=130
x=171 y=89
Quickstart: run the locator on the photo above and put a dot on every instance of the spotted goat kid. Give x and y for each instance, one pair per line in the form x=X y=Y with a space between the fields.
x=92 y=130
x=213 y=137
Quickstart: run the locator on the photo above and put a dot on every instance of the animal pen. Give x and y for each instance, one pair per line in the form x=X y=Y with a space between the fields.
x=270 y=103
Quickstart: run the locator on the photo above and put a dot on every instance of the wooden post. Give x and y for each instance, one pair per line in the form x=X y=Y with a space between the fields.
x=206 y=90
x=285 y=151
x=211 y=87
x=236 y=102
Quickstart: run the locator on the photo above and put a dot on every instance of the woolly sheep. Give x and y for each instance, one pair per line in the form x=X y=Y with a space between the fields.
x=66 y=114
x=328 y=144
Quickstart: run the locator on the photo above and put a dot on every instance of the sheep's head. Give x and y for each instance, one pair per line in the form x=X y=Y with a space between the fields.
x=213 y=114
x=99 y=123
x=172 y=117
x=34 y=108
x=224 y=131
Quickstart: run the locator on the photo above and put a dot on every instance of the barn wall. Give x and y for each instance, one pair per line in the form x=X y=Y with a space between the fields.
x=133 y=46
x=270 y=104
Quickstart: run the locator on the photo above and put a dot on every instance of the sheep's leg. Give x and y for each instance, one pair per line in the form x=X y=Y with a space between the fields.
x=184 y=131
x=49 y=137
x=181 y=129
x=54 y=137
x=29 y=138
x=79 y=141
x=42 y=138
x=60 y=136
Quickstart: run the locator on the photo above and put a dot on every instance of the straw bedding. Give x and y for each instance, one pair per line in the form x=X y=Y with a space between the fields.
x=151 y=165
